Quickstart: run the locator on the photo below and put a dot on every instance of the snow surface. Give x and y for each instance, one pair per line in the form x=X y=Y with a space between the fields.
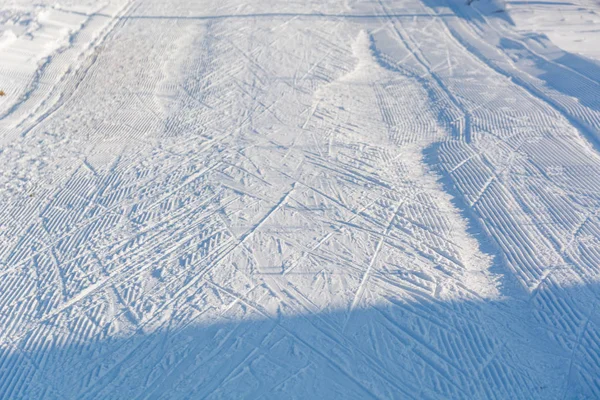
x=299 y=199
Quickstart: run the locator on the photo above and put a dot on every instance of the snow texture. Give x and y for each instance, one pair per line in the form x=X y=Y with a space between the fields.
x=299 y=199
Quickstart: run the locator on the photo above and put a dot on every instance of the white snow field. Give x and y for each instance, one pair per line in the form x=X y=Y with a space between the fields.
x=299 y=199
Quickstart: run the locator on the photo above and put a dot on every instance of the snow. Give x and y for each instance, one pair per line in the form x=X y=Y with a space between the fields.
x=572 y=26
x=299 y=199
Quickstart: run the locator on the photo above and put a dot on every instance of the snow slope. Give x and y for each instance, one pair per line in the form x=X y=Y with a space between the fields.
x=572 y=26
x=296 y=199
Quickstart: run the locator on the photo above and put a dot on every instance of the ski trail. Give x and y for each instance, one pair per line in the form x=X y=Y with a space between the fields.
x=310 y=199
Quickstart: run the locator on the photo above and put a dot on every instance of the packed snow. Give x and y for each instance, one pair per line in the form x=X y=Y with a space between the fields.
x=302 y=199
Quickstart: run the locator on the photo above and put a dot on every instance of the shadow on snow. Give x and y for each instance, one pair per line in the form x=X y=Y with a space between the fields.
x=409 y=346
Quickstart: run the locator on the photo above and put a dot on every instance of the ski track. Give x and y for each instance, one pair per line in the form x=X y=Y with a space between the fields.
x=390 y=199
